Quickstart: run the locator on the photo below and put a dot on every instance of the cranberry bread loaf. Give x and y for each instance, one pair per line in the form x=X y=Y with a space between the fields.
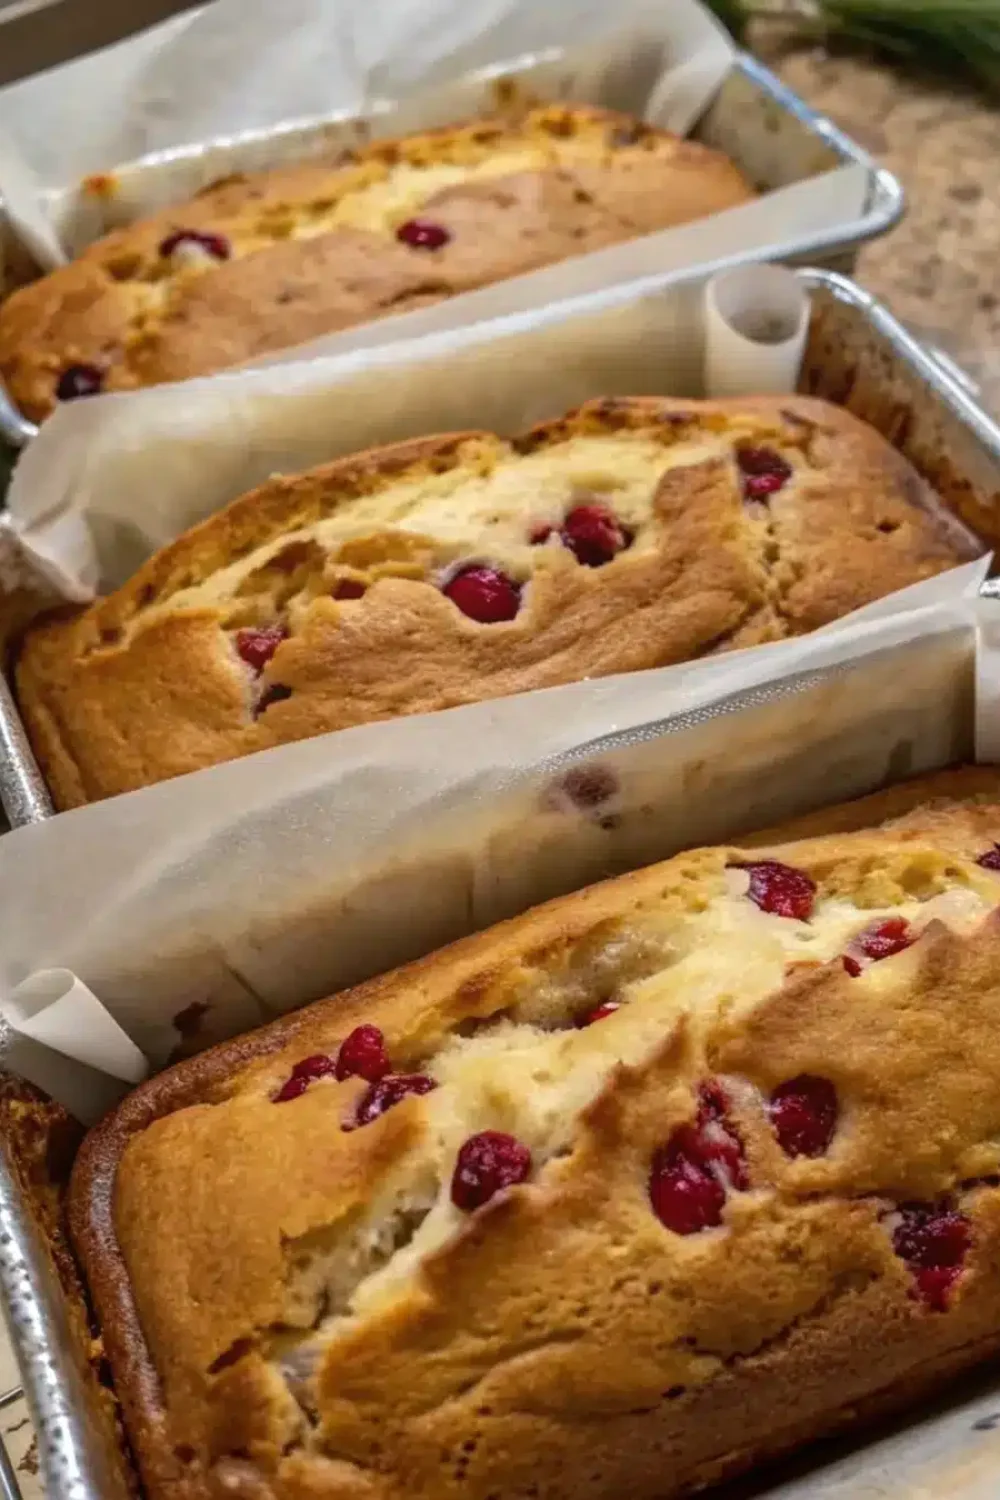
x=629 y=534
x=618 y=1198
x=266 y=261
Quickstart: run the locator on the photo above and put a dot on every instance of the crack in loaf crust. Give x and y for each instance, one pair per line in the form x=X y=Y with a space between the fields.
x=632 y=533
x=261 y=262
x=294 y=1308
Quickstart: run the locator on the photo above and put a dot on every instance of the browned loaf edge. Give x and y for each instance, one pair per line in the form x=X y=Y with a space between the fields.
x=561 y=1342
x=147 y=684
x=302 y=262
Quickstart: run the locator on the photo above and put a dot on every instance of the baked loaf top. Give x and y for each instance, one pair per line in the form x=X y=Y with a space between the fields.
x=265 y=261
x=613 y=1199
x=632 y=533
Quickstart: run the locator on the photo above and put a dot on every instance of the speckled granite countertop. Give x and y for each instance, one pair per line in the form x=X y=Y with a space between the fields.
x=940 y=269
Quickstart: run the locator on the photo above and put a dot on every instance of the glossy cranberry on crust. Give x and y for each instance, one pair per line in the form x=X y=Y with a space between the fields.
x=594 y=535
x=363 y=1055
x=804 y=1113
x=214 y=245
x=388 y=1091
x=933 y=1240
x=423 y=234
x=780 y=889
x=764 y=472
x=257 y=646
x=484 y=594
x=305 y=1073
x=488 y=1163
x=880 y=940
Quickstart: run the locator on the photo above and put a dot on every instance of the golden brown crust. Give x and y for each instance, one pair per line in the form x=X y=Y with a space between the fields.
x=288 y=1316
x=313 y=249
x=148 y=684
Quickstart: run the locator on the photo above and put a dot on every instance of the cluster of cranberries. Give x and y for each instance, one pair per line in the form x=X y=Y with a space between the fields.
x=703 y=1161
x=256 y=646
x=361 y=1055
x=593 y=533
x=787 y=892
x=764 y=472
x=487 y=1162
x=487 y=595
x=692 y=1174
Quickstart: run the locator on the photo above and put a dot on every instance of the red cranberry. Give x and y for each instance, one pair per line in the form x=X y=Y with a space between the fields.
x=931 y=1234
x=933 y=1240
x=712 y=1141
x=780 y=889
x=880 y=940
x=276 y=693
x=349 y=588
x=804 y=1115
x=79 y=380
x=303 y=1074
x=691 y=1174
x=484 y=594
x=363 y=1055
x=387 y=1092
x=764 y=472
x=713 y=1101
x=599 y=1013
x=540 y=534
x=487 y=1163
x=215 y=245
x=991 y=859
x=934 y=1283
x=685 y=1197
x=256 y=647
x=423 y=234
x=594 y=535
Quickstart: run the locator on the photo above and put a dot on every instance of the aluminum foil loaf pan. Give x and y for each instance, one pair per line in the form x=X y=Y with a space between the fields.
x=857 y=355
x=904 y=706
x=771 y=134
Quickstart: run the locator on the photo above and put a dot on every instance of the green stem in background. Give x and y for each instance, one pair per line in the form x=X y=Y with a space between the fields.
x=955 y=35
